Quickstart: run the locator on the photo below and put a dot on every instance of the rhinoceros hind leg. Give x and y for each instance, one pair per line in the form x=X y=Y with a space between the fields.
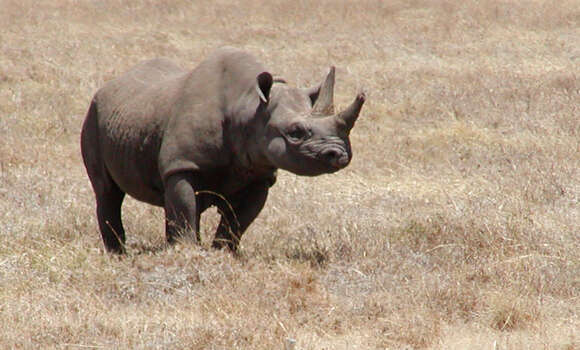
x=246 y=206
x=109 y=217
x=109 y=196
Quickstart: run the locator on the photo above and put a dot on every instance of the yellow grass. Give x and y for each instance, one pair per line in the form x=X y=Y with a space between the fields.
x=457 y=225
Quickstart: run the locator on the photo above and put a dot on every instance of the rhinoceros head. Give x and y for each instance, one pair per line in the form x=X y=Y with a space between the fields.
x=303 y=134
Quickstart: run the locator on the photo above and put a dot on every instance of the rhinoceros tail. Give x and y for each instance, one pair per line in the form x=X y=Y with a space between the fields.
x=90 y=139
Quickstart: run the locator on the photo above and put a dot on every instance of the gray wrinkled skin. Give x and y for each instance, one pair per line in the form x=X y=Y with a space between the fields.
x=187 y=140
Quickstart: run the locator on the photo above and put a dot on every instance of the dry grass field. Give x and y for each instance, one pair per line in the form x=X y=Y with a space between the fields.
x=456 y=226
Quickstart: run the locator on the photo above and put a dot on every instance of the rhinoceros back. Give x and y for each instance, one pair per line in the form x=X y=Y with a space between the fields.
x=139 y=80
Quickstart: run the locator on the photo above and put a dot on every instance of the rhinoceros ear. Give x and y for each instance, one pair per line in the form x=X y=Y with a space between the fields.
x=265 y=82
x=313 y=92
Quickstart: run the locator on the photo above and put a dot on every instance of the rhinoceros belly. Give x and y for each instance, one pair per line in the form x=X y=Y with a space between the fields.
x=231 y=180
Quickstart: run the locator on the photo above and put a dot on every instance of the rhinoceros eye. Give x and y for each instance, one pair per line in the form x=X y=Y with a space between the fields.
x=297 y=133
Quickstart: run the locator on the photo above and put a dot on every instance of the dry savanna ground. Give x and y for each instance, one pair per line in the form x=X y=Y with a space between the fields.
x=456 y=226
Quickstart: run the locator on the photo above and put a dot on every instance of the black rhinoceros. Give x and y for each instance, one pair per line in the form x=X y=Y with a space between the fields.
x=215 y=135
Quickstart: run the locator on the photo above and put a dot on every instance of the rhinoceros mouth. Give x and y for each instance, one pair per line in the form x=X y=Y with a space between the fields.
x=335 y=157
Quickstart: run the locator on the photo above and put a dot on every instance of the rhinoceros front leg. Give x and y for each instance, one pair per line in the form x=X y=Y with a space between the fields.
x=246 y=206
x=181 y=208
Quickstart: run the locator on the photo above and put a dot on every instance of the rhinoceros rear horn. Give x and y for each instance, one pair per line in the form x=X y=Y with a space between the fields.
x=350 y=115
x=265 y=82
x=325 y=101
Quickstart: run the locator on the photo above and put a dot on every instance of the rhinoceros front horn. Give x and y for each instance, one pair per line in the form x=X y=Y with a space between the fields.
x=350 y=114
x=325 y=102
